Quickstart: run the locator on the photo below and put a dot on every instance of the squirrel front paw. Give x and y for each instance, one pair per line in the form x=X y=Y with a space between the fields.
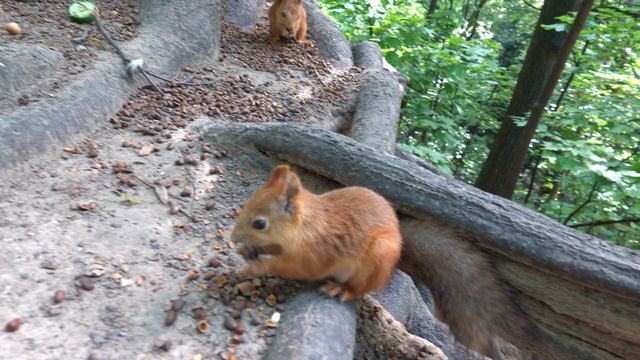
x=272 y=40
x=333 y=289
x=253 y=269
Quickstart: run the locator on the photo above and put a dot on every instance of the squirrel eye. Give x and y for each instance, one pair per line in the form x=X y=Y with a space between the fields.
x=259 y=224
x=283 y=14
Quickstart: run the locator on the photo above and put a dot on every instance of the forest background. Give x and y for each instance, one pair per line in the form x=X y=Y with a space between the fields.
x=476 y=71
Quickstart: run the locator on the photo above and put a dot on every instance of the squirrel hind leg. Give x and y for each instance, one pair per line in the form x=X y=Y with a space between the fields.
x=343 y=291
x=375 y=268
x=332 y=289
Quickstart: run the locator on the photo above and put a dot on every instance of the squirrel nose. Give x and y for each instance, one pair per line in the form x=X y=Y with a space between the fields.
x=289 y=29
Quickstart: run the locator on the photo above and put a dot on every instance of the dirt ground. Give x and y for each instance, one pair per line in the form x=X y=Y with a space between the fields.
x=70 y=48
x=91 y=220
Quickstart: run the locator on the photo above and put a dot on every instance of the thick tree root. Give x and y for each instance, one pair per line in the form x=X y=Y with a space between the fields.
x=384 y=337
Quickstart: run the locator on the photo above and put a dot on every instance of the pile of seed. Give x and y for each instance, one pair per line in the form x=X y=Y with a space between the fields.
x=231 y=97
x=251 y=49
x=287 y=57
x=220 y=94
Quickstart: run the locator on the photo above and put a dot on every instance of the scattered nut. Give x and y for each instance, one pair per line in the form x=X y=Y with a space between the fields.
x=92 y=150
x=177 y=304
x=12 y=28
x=190 y=160
x=128 y=143
x=199 y=313
x=237 y=339
x=85 y=283
x=208 y=275
x=59 y=296
x=164 y=345
x=170 y=318
x=214 y=262
x=203 y=326
x=194 y=274
x=13 y=325
x=174 y=209
x=229 y=323
x=86 y=206
x=219 y=170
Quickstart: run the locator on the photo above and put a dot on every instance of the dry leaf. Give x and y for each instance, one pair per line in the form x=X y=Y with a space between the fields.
x=162 y=193
x=87 y=206
x=221 y=280
x=245 y=288
x=271 y=300
x=146 y=150
x=71 y=150
x=128 y=143
x=120 y=167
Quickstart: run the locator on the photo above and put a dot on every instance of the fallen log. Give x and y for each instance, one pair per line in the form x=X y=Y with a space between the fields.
x=608 y=277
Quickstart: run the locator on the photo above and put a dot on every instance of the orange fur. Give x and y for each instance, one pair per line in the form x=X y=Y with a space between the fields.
x=351 y=235
x=287 y=19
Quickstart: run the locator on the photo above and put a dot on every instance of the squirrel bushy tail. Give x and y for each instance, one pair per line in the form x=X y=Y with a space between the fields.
x=469 y=296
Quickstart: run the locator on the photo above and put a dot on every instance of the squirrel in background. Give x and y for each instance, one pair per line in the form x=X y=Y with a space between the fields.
x=287 y=19
x=351 y=235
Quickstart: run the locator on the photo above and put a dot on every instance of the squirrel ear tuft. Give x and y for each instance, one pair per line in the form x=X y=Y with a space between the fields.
x=293 y=186
x=287 y=185
x=278 y=175
x=290 y=194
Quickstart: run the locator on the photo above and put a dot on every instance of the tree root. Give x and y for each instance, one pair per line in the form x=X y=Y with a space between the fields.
x=384 y=337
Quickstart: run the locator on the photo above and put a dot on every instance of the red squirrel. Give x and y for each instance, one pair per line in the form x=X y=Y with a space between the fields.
x=287 y=19
x=351 y=235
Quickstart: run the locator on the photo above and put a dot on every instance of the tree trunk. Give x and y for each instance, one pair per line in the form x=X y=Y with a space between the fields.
x=433 y=6
x=500 y=171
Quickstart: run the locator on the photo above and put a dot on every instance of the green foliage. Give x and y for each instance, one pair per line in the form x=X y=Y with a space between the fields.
x=462 y=64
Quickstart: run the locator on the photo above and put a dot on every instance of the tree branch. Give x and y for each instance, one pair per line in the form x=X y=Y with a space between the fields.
x=607 y=222
x=629 y=13
x=534 y=172
x=585 y=203
x=531 y=5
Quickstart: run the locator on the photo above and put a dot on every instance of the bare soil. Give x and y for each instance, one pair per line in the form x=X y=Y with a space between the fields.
x=93 y=214
x=46 y=24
